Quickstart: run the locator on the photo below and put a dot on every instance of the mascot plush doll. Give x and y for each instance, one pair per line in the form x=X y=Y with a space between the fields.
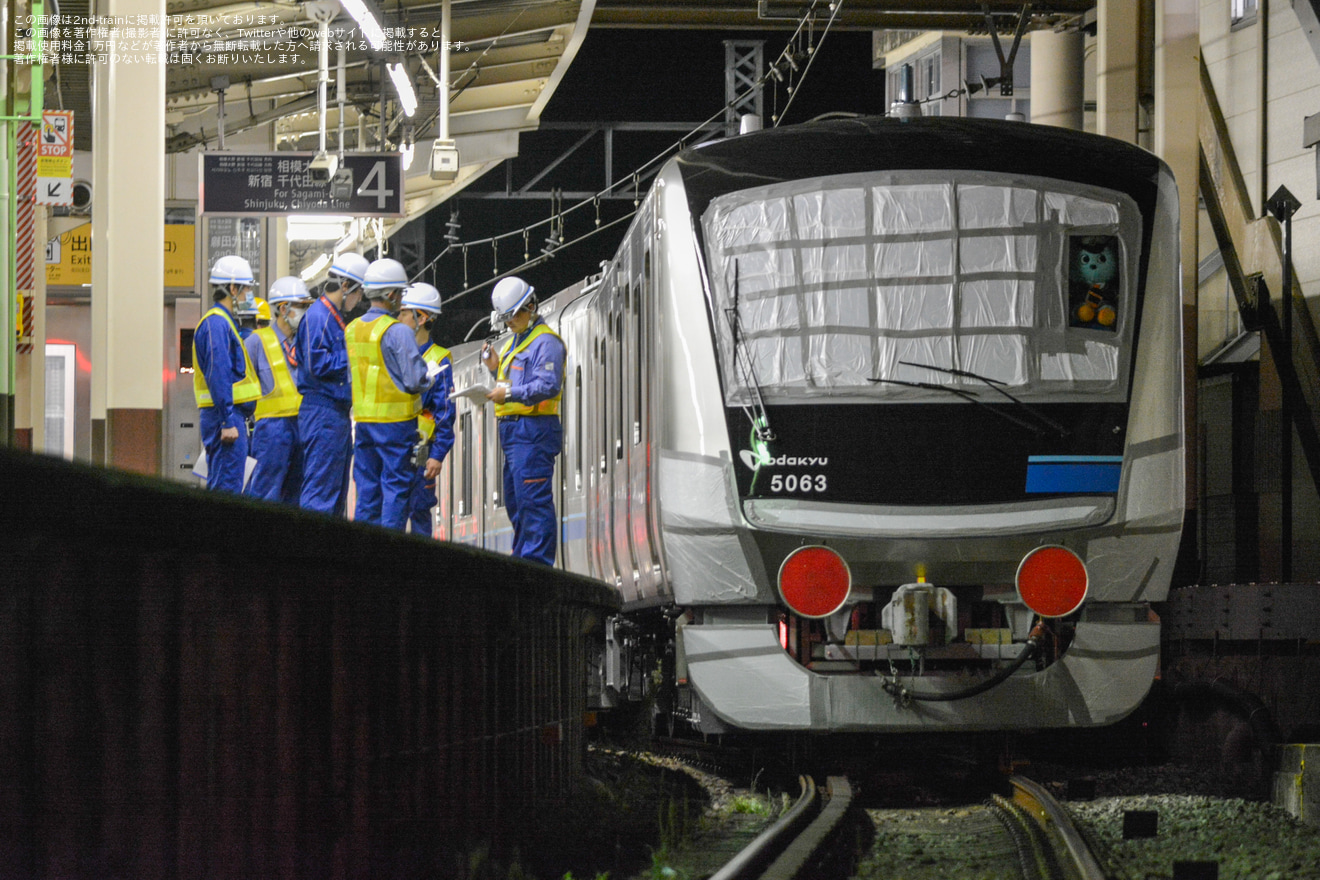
x=1094 y=271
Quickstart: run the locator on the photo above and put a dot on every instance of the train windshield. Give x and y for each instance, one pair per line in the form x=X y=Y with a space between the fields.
x=906 y=287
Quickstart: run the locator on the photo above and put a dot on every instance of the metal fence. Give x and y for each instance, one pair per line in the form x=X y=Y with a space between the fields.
x=195 y=686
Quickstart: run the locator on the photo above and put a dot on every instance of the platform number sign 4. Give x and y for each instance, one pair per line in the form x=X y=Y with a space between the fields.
x=375 y=185
x=280 y=184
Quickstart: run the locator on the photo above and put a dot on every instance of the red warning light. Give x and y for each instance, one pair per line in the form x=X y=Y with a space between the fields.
x=1052 y=581
x=814 y=581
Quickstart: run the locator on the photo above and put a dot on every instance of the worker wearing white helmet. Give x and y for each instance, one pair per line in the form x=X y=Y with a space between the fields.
x=419 y=309
x=278 y=472
x=247 y=314
x=224 y=381
x=529 y=382
x=325 y=428
x=388 y=377
x=349 y=270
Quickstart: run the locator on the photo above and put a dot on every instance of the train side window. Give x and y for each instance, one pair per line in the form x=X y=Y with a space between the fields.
x=468 y=457
x=577 y=428
x=639 y=362
x=622 y=407
x=604 y=403
x=1095 y=295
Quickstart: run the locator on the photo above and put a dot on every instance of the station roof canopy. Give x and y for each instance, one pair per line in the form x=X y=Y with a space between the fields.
x=260 y=61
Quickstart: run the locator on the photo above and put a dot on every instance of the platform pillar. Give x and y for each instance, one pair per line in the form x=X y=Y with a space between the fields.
x=1177 y=97
x=30 y=367
x=1117 y=53
x=128 y=242
x=1057 y=92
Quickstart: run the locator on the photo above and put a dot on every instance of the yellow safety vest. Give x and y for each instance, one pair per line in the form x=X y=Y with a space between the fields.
x=284 y=398
x=246 y=389
x=375 y=396
x=547 y=407
x=436 y=354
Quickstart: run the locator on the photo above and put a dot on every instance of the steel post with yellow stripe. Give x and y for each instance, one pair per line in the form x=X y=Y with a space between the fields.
x=21 y=80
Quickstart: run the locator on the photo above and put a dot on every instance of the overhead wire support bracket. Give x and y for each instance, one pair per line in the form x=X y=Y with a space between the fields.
x=555 y=221
x=1006 y=64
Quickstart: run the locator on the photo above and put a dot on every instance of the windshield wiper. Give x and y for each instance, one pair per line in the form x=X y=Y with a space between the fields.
x=996 y=385
x=970 y=397
x=742 y=359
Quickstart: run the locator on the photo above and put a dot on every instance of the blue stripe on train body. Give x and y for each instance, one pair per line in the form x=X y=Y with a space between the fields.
x=1073 y=473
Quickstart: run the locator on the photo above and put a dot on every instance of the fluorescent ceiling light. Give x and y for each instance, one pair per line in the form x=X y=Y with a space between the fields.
x=316 y=227
x=316 y=266
x=403 y=85
x=366 y=22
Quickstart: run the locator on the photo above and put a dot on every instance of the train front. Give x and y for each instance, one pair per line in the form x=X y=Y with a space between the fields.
x=934 y=475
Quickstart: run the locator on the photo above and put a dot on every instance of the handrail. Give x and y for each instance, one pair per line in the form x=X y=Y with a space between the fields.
x=1252 y=247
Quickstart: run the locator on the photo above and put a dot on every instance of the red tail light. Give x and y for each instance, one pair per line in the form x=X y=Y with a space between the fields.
x=814 y=581
x=1052 y=581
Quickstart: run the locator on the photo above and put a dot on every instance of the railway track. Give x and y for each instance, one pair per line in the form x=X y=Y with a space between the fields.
x=1026 y=834
x=1022 y=833
x=800 y=841
x=1061 y=850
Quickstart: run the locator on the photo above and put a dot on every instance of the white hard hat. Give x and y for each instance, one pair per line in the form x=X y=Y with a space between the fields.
x=290 y=288
x=423 y=297
x=383 y=276
x=232 y=269
x=351 y=266
x=509 y=295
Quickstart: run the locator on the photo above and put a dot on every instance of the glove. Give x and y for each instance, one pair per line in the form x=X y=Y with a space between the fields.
x=432 y=370
x=420 y=453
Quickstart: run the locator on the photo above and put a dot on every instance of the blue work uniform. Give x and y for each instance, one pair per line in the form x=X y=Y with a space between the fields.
x=324 y=426
x=437 y=422
x=224 y=384
x=531 y=437
x=275 y=446
x=385 y=407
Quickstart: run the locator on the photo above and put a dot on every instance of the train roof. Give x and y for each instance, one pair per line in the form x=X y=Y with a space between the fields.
x=845 y=146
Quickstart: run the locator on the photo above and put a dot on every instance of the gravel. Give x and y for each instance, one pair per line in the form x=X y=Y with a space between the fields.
x=1249 y=840
x=1198 y=820
x=922 y=843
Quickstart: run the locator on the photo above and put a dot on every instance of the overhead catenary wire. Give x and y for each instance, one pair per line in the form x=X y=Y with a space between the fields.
x=834 y=13
x=534 y=261
x=556 y=219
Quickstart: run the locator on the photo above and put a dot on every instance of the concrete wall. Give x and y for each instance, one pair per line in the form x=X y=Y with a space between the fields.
x=200 y=686
x=1267 y=80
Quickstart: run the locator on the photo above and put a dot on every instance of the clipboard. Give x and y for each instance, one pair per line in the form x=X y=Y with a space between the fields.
x=475 y=393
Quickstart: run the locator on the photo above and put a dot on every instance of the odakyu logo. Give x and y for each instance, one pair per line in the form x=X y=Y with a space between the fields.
x=756 y=461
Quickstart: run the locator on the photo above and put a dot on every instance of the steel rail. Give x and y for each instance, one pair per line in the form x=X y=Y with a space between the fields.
x=795 y=859
x=1080 y=863
x=785 y=849
x=754 y=857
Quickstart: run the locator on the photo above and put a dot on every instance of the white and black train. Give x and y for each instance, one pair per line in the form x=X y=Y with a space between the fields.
x=875 y=426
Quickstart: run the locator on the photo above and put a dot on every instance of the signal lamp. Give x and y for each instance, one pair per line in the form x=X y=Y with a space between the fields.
x=1052 y=581
x=814 y=581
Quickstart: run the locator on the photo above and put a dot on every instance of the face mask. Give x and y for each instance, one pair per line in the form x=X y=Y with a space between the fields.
x=294 y=315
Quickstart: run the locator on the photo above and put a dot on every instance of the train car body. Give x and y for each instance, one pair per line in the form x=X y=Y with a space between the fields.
x=928 y=347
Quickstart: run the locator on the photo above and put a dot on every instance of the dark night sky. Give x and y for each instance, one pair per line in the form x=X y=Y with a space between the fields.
x=621 y=75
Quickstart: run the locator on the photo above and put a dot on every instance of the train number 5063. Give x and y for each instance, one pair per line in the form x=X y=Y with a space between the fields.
x=795 y=483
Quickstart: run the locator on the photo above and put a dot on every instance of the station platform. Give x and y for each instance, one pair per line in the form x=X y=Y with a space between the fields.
x=198 y=685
